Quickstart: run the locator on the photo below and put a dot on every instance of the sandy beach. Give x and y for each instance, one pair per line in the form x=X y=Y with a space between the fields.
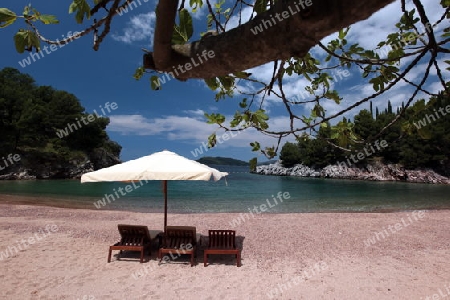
x=61 y=253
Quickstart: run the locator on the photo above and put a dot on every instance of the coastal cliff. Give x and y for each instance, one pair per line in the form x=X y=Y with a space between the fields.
x=377 y=172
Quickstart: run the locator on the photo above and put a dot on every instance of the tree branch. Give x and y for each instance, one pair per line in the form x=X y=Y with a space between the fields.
x=246 y=47
x=166 y=12
x=94 y=27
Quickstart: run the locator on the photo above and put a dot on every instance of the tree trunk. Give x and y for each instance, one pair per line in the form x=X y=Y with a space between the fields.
x=291 y=28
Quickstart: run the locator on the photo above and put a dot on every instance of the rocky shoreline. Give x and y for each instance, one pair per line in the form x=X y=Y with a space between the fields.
x=29 y=169
x=375 y=172
x=66 y=172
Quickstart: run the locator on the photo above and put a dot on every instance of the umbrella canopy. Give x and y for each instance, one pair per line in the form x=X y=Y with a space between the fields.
x=164 y=165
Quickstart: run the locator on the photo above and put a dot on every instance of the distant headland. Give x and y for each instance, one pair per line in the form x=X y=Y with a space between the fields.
x=224 y=161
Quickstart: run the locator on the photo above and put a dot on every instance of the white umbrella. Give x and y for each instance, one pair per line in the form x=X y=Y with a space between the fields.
x=164 y=165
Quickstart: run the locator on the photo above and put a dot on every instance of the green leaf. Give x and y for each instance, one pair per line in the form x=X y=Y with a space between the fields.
x=343 y=33
x=26 y=10
x=35 y=41
x=335 y=135
x=243 y=103
x=269 y=152
x=183 y=32
x=209 y=21
x=7 y=17
x=48 y=19
x=237 y=119
x=260 y=6
x=82 y=9
x=155 y=83
x=376 y=82
x=186 y=23
x=215 y=118
x=212 y=83
x=242 y=75
x=259 y=118
x=177 y=37
x=212 y=140
x=246 y=116
x=219 y=5
x=306 y=120
x=255 y=146
x=333 y=95
x=227 y=82
x=139 y=73
x=26 y=40
x=195 y=4
x=21 y=41
x=317 y=111
x=261 y=113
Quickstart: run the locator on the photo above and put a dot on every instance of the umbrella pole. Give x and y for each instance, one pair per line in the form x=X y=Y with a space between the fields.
x=165 y=204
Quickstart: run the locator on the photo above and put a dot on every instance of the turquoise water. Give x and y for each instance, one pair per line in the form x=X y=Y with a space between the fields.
x=238 y=193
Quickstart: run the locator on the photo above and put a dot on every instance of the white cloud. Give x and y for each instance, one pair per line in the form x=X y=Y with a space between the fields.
x=200 y=12
x=139 y=28
x=435 y=87
x=197 y=113
x=139 y=125
x=246 y=13
x=190 y=130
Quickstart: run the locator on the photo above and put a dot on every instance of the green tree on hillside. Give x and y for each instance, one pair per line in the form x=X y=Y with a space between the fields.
x=420 y=138
x=32 y=115
x=253 y=163
x=290 y=155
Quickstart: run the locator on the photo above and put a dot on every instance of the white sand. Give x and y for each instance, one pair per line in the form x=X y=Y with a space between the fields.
x=308 y=256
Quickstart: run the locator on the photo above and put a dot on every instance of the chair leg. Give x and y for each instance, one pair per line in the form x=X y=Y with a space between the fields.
x=192 y=259
x=205 y=259
x=238 y=259
x=160 y=255
x=109 y=255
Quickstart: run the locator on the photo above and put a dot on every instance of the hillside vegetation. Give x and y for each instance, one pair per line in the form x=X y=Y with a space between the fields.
x=34 y=129
x=419 y=139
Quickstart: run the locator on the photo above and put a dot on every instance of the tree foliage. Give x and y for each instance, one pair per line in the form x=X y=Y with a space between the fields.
x=290 y=155
x=32 y=115
x=253 y=163
x=419 y=139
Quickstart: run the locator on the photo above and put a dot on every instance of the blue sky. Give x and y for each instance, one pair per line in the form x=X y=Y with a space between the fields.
x=147 y=121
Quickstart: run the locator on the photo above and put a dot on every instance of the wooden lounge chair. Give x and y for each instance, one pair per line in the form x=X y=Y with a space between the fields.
x=222 y=242
x=133 y=238
x=177 y=241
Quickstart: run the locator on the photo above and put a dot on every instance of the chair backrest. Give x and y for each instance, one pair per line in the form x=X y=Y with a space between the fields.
x=135 y=231
x=183 y=232
x=222 y=239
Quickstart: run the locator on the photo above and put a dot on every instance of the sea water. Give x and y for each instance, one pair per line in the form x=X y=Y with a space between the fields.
x=240 y=192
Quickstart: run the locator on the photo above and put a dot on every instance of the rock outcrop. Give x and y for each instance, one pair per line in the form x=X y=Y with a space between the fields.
x=377 y=171
x=29 y=169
